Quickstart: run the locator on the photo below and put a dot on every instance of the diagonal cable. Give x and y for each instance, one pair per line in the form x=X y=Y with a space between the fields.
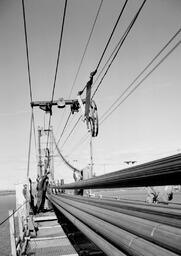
x=123 y=38
x=57 y=64
x=141 y=73
x=87 y=44
x=109 y=40
x=158 y=64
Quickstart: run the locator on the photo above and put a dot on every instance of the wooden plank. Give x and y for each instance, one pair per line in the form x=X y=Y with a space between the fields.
x=12 y=233
x=44 y=218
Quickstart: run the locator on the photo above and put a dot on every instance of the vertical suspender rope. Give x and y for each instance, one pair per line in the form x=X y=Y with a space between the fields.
x=29 y=150
x=57 y=64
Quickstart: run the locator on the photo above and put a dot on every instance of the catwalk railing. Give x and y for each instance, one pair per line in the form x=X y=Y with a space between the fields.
x=122 y=227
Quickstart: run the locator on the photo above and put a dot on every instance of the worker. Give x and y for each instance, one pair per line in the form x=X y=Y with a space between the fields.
x=78 y=176
x=162 y=194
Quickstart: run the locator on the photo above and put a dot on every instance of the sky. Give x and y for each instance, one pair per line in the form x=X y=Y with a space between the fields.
x=145 y=127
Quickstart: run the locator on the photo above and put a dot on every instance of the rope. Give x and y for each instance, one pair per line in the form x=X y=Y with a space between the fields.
x=64 y=127
x=63 y=158
x=71 y=131
x=119 y=45
x=160 y=62
x=14 y=211
x=88 y=41
x=108 y=42
x=79 y=67
x=29 y=148
x=111 y=34
x=139 y=75
x=27 y=52
x=57 y=64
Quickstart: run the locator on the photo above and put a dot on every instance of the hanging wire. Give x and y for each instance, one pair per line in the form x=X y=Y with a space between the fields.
x=80 y=64
x=27 y=51
x=85 y=137
x=120 y=43
x=14 y=211
x=64 y=128
x=103 y=53
x=87 y=44
x=63 y=158
x=141 y=73
x=30 y=87
x=57 y=64
x=75 y=125
x=108 y=42
x=29 y=148
x=160 y=62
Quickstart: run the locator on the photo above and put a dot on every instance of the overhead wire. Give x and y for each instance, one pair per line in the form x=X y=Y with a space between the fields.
x=141 y=73
x=119 y=45
x=81 y=61
x=105 y=48
x=73 y=128
x=142 y=80
x=110 y=37
x=63 y=158
x=29 y=148
x=85 y=50
x=57 y=65
x=83 y=139
x=30 y=86
x=27 y=51
x=64 y=128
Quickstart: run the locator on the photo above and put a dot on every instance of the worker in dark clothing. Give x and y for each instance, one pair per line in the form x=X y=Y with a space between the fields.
x=78 y=175
x=41 y=192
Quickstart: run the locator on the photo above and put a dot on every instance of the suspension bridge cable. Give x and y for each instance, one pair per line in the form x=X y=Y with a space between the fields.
x=83 y=139
x=158 y=64
x=63 y=158
x=64 y=128
x=75 y=125
x=14 y=211
x=29 y=148
x=123 y=38
x=27 y=51
x=81 y=61
x=57 y=64
x=108 y=42
x=87 y=44
x=34 y=131
x=30 y=85
x=110 y=37
x=141 y=73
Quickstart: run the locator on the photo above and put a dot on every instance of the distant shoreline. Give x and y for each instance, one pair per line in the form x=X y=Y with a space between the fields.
x=7 y=192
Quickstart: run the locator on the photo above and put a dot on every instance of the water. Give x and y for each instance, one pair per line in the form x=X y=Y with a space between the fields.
x=7 y=202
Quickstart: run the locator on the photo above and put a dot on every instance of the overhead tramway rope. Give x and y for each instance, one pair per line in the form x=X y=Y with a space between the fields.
x=27 y=51
x=119 y=45
x=73 y=128
x=106 y=114
x=80 y=64
x=64 y=128
x=103 y=53
x=109 y=40
x=143 y=71
x=29 y=148
x=63 y=158
x=30 y=86
x=87 y=44
x=142 y=80
x=57 y=64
